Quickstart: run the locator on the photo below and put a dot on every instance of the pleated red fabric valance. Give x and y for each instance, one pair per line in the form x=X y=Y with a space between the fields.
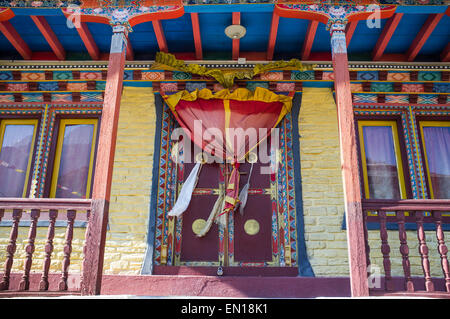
x=225 y=114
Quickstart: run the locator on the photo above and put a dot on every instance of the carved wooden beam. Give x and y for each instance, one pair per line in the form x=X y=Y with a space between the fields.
x=423 y=35
x=272 y=36
x=309 y=39
x=88 y=40
x=130 y=52
x=386 y=35
x=197 y=36
x=159 y=33
x=15 y=39
x=349 y=31
x=50 y=36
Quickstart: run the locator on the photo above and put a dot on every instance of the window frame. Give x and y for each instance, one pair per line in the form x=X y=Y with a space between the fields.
x=154 y=241
x=56 y=151
x=23 y=121
x=435 y=122
x=403 y=177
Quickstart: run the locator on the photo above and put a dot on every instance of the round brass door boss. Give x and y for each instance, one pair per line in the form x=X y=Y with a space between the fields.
x=252 y=157
x=251 y=227
x=198 y=225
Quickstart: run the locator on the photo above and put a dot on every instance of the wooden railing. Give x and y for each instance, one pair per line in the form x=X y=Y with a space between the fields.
x=32 y=211
x=422 y=215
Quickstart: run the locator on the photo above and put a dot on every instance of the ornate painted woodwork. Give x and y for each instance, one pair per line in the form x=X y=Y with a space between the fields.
x=369 y=83
x=415 y=212
x=11 y=249
x=67 y=250
x=442 y=248
x=66 y=3
x=423 y=250
x=118 y=13
x=409 y=116
x=271 y=208
x=132 y=13
x=404 y=250
x=25 y=282
x=32 y=211
x=43 y=284
x=48 y=115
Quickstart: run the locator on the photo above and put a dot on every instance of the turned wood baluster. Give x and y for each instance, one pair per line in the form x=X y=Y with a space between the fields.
x=404 y=250
x=43 y=284
x=385 y=250
x=442 y=248
x=88 y=215
x=67 y=249
x=11 y=248
x=423 y=250
x=29 y=250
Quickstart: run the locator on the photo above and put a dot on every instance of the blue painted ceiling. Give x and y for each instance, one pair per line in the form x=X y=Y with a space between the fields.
x=216 y=45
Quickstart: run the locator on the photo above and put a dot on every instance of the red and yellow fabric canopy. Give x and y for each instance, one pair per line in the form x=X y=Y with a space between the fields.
x=227 y=112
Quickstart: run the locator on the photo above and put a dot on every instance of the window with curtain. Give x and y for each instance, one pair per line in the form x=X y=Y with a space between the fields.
x=17 y=140
x=381 y=160
x=435 y=138
x=74 y=158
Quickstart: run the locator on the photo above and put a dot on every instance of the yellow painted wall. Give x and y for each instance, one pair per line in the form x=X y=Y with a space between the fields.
x=130 y=198
x=323 y=201
x=131 y=185
x=322 y=184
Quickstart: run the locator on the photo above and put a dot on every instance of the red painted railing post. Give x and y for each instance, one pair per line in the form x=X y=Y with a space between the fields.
x=96 y=232
x=11 y=248
x=385 y=250
x=442 y=249
x=349 y=163
x=25 y=282
x=423 y=250
x=48 y=249
x=404 y=250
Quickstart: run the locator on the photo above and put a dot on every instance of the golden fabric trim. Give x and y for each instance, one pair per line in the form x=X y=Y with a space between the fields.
x=240 y=94
x=167 y=61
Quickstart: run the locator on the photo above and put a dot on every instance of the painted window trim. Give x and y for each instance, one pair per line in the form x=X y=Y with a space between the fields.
x=58 y=151
x=304 y=267
x=34 y=122
x=397 y=150
x=428 y=123
x=48 y=115
x=393 y=225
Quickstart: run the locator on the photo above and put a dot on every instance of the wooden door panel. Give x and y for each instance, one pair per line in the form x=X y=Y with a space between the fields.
x=257 y=179
x=195 y=248
x=231 y=244
x=254 y=247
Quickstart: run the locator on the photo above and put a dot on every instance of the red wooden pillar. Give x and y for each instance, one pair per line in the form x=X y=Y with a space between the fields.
x=98 y=219
x=349 y=163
